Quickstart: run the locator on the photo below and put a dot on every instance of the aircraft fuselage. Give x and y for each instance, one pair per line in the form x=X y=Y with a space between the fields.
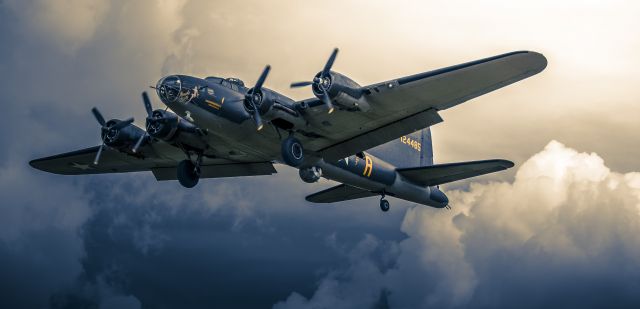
x=218 y=107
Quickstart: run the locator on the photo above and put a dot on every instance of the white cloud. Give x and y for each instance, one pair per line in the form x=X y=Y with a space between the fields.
x=566 y=226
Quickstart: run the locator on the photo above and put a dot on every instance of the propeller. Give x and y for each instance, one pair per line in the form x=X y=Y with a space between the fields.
x=107 y=130
x=149 y=109
x=255 y=95
x=322 y=81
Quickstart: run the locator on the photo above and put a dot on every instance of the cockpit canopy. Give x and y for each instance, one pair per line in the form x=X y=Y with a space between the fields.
x=236 y=81
x=182 y=89
x=230 y=82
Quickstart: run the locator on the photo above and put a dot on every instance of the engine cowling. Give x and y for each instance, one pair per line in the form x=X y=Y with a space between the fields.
x=342 y=90
x=276 y=108
x=122 y=138
x=171 y=128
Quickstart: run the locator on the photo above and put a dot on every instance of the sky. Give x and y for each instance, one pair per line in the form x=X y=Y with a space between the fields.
x=560 y=229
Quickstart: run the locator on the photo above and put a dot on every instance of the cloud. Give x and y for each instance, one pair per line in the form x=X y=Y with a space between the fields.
x=564 y=233
x=69 y=24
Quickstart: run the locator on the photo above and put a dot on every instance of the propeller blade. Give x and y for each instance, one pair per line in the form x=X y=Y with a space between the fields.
x=301 y=84
x=98 y=115
x=327 y=102
x=122 y=124
x=147 y=103
x=329 y=64
x=95 y=161
x=139 y=142
x=256 y=117
x=262 y=77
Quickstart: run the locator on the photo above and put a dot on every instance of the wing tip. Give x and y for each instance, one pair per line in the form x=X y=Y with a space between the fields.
x=38 y=164
x=35 y=163
x=540 y=60
x=505 y=163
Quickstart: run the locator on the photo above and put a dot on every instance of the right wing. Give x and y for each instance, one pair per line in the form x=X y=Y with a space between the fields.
x=438 y=174
x=339 y=193
x=407 y=104
x=161 y=159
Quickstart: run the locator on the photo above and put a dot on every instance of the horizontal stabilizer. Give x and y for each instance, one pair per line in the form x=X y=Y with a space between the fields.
x=338 y=194
x=444 y=173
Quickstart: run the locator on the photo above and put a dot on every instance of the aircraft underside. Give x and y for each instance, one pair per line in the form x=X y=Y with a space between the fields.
x=374 y=140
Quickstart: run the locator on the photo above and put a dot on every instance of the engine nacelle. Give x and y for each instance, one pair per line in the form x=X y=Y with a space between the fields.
x=276 y=108
x=171 y=128
x=123 y=138
x=310 y=174
x=342 y=90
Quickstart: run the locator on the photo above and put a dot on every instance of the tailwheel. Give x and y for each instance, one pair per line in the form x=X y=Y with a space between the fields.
x=292 y=151
x=188 y=173
x=384 y=204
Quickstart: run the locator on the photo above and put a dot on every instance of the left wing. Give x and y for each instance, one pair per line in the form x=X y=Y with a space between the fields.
x=438 y=174
x=401 y=106
x=162 y=160
x=339 y=193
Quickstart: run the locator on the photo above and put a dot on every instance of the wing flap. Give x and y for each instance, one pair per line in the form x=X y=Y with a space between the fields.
x=444 y=173
x=80 y=162
x=381 y=135
x=338 y=194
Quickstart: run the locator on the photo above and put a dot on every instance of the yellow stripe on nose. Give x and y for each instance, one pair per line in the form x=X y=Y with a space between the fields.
x=214 y=104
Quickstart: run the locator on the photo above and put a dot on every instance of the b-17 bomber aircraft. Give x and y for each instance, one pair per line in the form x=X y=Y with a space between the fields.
x=374 y=140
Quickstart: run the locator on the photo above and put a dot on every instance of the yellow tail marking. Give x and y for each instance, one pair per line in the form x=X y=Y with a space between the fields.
x=368 y=168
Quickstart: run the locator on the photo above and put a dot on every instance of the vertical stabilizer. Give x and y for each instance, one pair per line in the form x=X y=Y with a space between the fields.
x=413 y=150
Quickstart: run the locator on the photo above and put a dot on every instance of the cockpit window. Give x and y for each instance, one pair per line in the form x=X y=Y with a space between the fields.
x=236 y=81
x=213 y=79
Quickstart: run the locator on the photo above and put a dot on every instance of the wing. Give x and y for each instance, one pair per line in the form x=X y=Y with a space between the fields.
x=339 y=193
x=405 y=105
x=444 y=173
x=161 y=159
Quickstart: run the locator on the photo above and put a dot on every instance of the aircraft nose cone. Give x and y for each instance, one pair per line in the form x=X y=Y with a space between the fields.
x=439 y=197
x=168 y=88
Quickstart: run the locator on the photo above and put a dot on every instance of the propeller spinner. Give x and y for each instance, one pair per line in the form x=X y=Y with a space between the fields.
x=254 y=97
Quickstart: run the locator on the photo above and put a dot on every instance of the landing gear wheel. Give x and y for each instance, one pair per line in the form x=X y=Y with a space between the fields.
x=292 y=152
x=384 y=205
x=188 y=174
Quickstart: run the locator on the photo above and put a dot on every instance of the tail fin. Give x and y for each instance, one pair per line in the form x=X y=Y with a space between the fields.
x=411 y=150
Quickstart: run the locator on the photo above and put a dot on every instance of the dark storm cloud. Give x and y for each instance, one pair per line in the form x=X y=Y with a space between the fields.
x=126 y=240
x=219 y=246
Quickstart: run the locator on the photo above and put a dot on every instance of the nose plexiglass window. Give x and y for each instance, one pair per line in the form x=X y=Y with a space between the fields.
x=172 y=89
